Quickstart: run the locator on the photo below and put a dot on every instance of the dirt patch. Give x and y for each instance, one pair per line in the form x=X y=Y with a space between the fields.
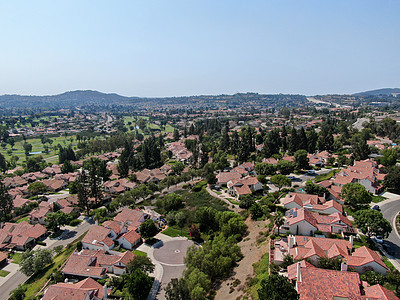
x=234 y=287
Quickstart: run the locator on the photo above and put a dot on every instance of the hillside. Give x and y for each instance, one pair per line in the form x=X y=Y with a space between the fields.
x=64 y=100
x=387 y=91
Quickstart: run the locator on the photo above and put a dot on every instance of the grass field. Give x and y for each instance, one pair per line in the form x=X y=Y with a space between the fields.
x=326 y=176
x=151 y=126
x=261 y=272
x=37 y=146
x=377 y=199
x=4 y=273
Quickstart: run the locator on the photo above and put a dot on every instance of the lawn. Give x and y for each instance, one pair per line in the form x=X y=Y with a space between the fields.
x=4 y=273
x=176 y=232
x=377 y=199
x=26 y=219
x=326 y=176
x=17 y=257
x=139 y=253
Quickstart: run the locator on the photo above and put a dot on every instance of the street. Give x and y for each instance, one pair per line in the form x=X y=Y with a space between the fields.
x=389 y=210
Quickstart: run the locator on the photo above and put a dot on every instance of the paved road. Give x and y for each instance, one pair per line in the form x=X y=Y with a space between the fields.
x=11 y=284
x=389 y=210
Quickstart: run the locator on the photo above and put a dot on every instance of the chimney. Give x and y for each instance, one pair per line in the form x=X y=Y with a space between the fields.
x=343 y=267
x=291 y=241
x=351 y=240
x=325 y=196
x=299 y=272
x=105 y=292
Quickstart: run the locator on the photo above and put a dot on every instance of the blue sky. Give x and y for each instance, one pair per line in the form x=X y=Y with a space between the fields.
x=173 y=48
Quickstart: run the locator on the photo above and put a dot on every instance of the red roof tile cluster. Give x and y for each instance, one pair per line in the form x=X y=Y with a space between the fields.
x=85 y=289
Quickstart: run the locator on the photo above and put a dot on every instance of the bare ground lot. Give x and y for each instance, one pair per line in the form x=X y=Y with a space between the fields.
x=252 y=254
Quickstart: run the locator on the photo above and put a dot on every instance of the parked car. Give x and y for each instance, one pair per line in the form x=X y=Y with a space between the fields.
x=311 y=172
x=376 y=207
x=292 y=177
x=379 y=239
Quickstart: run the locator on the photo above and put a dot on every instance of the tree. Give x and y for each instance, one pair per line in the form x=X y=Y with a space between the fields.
x=178 y=168
x=82 y=187
x=285 y=167
x=373 y=278
x=11 y=141
x=256 y=211
x=3 y=163
x=67 y=167
x=246 y=201
x=57 y=219
x=142 y=263
x=170 y=202
x=35 y=163
x=277 y=287
x=301 y=159
x=35 y=261
x=138 y=284
x=194 y=232
x=278 y=220
x=6 y=203
x=265 y=169
x=18 y=293
x=148 y=229
x=177 y=290
x=334 y=263
x=280 y=181
x=355 y=195
x=371 y=222
x=27 y=148
x=315 y=189
x=36 y=188
x=392 y=179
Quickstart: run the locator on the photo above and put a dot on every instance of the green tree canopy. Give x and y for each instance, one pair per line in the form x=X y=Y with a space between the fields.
x=280 y=181
x=35 y=261
x=277 y=287
x=148 y=229
x=355 y=195
x=371 y=222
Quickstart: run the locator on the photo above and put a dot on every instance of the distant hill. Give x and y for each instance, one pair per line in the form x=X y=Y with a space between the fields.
x=379 y=92
x=64 y=100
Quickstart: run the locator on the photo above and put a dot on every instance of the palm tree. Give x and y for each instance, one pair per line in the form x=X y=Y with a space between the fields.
x=278 y=220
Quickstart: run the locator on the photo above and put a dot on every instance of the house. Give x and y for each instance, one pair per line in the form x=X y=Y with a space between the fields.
x=365 y=172
x=334 y=191
x=96 y=263
x=311 y=202
x=38 y=215
x=66 y=207
x=304 y=222
x=13 y=182
x=244 y=186
x=224 y=177
x=99 y=238
x=55 y=185
x=53 y=170
x=132 y=218
x=20 y=236
x=118 y=186
x=364 y=259
x=129 y=239
x=270 y=160
x=314 y=283
x=86 y=289
x=244 y=169
x=310 y=248
x=147 y=176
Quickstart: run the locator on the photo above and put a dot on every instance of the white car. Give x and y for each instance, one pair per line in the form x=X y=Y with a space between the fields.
x=379 y=239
